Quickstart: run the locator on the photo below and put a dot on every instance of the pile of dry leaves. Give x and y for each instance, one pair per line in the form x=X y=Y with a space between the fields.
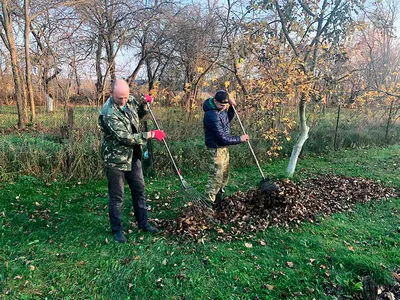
x=379 y=292
x=243 y=213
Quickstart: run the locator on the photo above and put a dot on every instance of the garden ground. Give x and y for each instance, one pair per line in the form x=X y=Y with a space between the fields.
x=55 y=242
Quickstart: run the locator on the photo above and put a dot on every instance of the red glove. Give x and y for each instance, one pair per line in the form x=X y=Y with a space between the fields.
x=148 y=98
x=158 y=134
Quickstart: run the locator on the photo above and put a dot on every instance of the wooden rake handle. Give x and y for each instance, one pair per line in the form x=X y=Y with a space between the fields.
x=166 y=146
x=248 y=142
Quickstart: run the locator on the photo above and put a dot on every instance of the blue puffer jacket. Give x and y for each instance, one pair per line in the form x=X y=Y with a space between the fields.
x=217 y=129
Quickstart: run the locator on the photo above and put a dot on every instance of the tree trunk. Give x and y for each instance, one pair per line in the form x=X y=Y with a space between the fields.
x=28 y=66
x=337 y=127
x=150 y=76
x=109 y=38
x=302 y=138
x=99 y=81
x=49 y=103
x=192 y=99
x=24 y=92
x=19 y=93
x=111 y=60
x=77 y=79
x=132 y=77
x=389 y=120
x=46 y=81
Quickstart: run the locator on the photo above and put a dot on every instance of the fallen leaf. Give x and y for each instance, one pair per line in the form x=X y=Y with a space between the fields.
x=289 y=264
x=248 y=245
x=181 y=276
x=390 y=296
x=268 y=286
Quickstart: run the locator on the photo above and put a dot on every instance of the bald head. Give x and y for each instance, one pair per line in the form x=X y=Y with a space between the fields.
x=120 y=92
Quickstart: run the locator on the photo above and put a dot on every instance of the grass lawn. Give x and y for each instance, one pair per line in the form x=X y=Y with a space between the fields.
x=55 y=242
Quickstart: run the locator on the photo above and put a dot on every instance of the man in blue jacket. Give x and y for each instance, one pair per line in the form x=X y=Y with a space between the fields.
x=218 y=114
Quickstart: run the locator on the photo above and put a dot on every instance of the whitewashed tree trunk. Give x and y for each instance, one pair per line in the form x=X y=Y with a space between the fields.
x=49 y=103
x=300 y=142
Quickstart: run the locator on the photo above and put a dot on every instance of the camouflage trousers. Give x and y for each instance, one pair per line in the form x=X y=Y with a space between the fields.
x=218 y=176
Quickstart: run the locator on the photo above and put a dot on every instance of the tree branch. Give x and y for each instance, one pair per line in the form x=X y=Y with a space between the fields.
x=286 y=33
x=306 y=8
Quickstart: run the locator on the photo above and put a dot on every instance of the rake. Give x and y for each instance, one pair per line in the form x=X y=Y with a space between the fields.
x=266 y=185
x=198 y=201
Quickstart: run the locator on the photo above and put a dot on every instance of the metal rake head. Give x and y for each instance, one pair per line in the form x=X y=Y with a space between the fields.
x=198 y=202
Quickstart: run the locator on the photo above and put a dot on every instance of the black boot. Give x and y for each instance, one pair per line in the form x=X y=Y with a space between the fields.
x=218 y=200
x=149 y=228
x=119 y=237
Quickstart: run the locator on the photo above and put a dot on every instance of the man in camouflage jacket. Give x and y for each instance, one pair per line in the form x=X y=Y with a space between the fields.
x=121 y=152
x=218 y=114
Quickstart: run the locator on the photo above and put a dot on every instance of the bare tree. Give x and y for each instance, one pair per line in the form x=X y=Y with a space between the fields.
x=109 y=21
x=28 y=65
x=380 y=49
x=8 y=38
x=152 y=37
x=199 y=39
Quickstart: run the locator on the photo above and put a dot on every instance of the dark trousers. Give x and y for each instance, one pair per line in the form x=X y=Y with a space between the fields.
x=134 y=178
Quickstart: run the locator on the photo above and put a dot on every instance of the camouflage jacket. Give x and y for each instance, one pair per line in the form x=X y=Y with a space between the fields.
x=121 y=136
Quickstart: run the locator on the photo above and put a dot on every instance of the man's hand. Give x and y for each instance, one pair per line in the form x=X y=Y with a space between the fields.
x=159 y=135
x=244 y=138
x=147 y=98
x=232 y=101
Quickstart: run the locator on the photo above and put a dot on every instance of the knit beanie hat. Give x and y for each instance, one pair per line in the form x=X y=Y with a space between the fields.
x=221 y=96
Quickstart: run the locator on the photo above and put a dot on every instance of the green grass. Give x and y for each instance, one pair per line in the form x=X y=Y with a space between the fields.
x=53 y=242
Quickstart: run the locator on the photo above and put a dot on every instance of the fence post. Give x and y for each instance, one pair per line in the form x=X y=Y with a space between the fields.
x=70 y=136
